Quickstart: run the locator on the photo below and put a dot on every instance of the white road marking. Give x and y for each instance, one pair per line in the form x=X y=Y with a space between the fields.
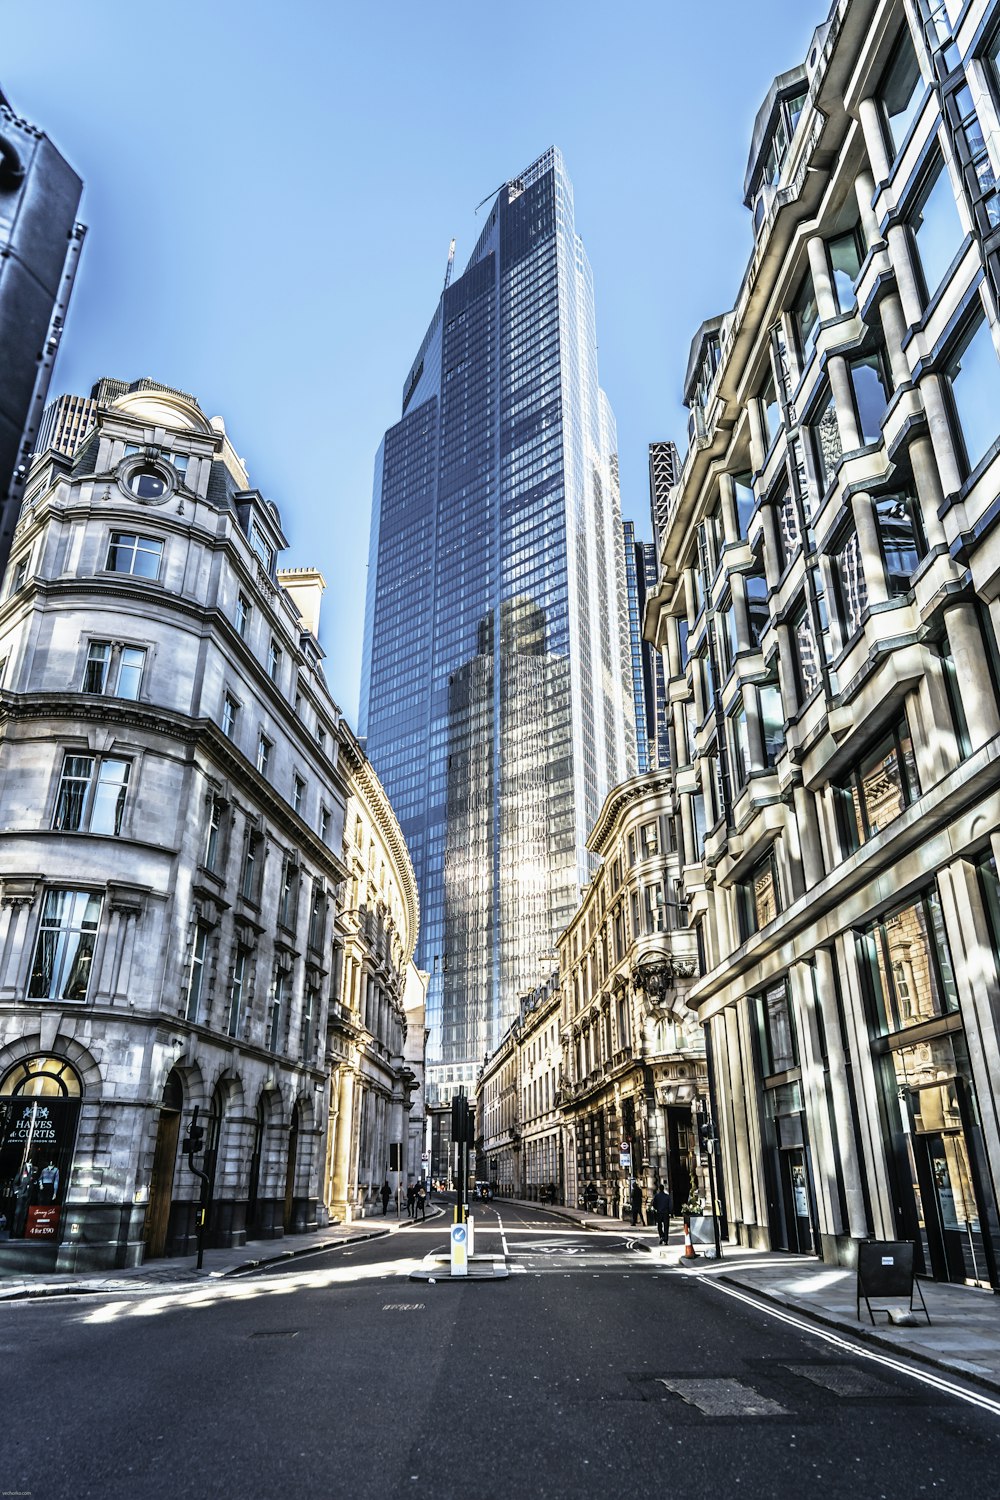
x=937 y=1382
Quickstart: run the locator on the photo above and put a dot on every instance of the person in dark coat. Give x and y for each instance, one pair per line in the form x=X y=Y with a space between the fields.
x=386 y=1195
x=662 y=1207
x=636 y=1202
x=411 y=1199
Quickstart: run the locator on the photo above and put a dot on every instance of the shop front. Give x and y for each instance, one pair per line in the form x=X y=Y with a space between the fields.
x=39 y=1114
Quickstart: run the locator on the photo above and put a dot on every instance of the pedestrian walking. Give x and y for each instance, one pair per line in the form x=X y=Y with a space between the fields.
x=662 y=1208
x=421 y=1206
x=636 y=1202
x=386 y=1195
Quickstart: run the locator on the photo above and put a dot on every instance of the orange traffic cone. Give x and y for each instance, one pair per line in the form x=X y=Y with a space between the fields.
x=690 y=1253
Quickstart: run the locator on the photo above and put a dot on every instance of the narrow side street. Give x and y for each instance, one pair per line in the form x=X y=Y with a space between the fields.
x=595 y=1368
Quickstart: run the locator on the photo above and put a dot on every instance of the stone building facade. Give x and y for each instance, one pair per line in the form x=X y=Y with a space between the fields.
x=828 y=615
x=633 y=1054
x=377 y=1019
x=174 y=779
x=518 y=1125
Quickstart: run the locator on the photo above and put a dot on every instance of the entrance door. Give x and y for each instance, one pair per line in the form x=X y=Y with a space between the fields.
x=161 y=1182
x=795 y=1193
x=950 y=1228
x=293 y=1151
x=253 y=1192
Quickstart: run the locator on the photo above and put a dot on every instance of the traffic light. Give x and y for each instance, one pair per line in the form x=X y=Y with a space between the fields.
x=706 y=1132
x=194 y=1141
x=462 y=1120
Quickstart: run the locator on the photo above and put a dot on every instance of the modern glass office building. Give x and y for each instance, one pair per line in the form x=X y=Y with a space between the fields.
x=494 y=683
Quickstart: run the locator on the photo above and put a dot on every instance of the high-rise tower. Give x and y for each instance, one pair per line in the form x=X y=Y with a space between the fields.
x=495 y=671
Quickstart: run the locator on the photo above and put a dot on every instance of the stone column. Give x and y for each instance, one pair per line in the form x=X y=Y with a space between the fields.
x=727 y=496
x=843 y=1121
x=871 y=126
x=810 y=850
x=927 y=482
x=894 y=328
x=864 y=190
x=341 y=1194
x=758 y=436
x=901 y=255
x=968 y=651
x=843 y=397
x=740 y=612
x=939 y=424
x=819 y=266
x=871 y=552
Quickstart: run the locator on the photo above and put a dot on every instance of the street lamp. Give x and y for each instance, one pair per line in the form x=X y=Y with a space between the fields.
x=708 y=1139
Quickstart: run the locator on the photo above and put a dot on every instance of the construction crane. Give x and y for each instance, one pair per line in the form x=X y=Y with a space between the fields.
x=451 y=264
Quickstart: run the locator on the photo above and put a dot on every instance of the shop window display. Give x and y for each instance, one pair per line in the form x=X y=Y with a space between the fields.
x=39 y=1109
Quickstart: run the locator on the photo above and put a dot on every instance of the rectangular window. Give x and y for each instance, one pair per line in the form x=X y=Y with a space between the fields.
x=243 y=612
x=787 y=527
x=264 y=748
x=287 y=900
x=324 y=823
x=780 y=1053
x=974 y=159
x=230 y=716
x=906 y=966
x=310 y=1008
x=236 y=991
x=213 y=834
x=115 y=672
x=935 y=227
x=872 y=390
x=878 y=788
x=656 y=911
x=20 y=577
x=745 y=501
x=758 y=897
x=298 y=794
x=250 y=874
x=827 y=446
x=649 y=834
x=845 y=264
x=902 y=540
x=807 y=663
x=196 y=980
x=805 y=317
x=317 y=916
x=973 y=376
x=64 y=951
x=755 y=585
x=138 y=555
x=273 y=661
x=850 y=585
x=91 y=795
x=739 y=737
x=261 y=546
x=771 y=410
x=277 y=1011
x=899 y=93
x=772 y=723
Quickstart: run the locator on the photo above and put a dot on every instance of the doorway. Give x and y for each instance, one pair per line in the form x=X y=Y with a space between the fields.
x=161 y=1182
x=795 y=1200
x=288 y=1217
x=253 y=1190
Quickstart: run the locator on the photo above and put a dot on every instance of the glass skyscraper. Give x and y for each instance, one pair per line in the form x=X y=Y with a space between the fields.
x=496 y=665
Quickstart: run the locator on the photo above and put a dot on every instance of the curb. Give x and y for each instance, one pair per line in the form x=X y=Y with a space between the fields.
x=865 y=1334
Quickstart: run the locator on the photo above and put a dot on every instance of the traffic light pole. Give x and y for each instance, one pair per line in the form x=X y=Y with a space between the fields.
x=192 y=1145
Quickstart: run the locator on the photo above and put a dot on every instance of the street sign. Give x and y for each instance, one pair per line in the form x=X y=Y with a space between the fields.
x=625 y=1156
x=459 y=1250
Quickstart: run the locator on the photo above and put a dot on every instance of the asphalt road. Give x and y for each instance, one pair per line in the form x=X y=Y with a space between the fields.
x=594 y=1370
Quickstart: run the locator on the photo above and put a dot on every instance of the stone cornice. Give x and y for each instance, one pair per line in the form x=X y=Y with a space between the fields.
x=369 y=789
x=620 y=799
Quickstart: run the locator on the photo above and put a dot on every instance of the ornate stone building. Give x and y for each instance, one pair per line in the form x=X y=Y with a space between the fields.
x=377 y=1022
x=633 y=1054
x=174 y=786
x=828 y=614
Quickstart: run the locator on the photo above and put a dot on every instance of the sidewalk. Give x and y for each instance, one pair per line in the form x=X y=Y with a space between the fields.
x=182 y=1270
x=963 y=1337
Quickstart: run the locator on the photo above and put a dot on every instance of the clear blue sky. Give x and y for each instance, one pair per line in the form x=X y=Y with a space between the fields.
x=271 y=189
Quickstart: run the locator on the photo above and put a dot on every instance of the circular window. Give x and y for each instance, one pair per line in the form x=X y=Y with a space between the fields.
x=147 y=483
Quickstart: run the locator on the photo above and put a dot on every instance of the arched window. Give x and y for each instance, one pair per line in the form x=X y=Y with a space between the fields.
x=39 y=1109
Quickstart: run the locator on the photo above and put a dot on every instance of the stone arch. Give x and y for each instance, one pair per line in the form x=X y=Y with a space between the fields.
x=82 y=1061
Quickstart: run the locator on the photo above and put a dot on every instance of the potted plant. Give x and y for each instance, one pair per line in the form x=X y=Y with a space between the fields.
x=693 y=1213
